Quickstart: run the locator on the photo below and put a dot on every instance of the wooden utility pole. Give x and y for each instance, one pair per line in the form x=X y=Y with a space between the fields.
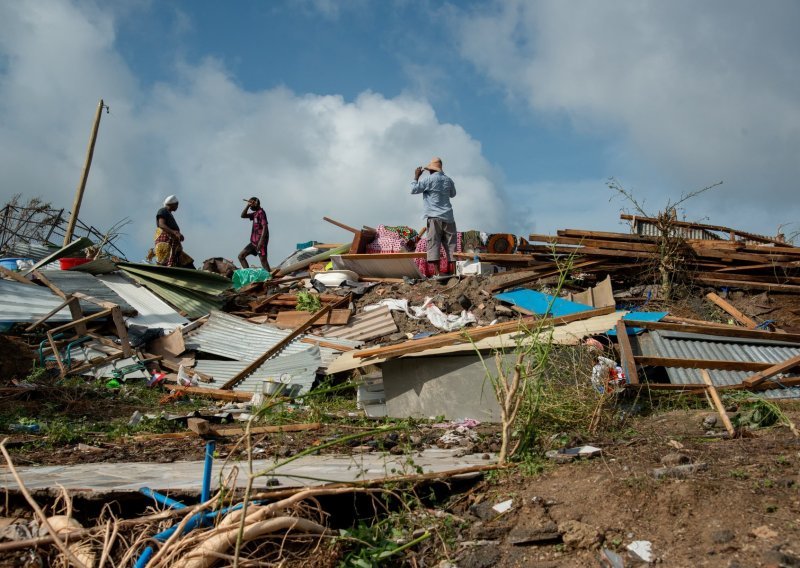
x=76 y=205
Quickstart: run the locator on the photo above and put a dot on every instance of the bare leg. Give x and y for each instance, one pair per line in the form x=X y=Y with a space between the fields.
x=243 y=258
x=264 y=263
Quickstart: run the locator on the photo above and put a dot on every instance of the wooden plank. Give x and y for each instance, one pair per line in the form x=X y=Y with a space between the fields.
x=55 y=289
x=14 y=275
x=216 y=394
x=605 y=235
x=718 y=403
x=340 y=225
x=77 y=315
x=764 y=266
x=47 y=316
x=738 y=332
x=749 y=285
x=247 y=371
x=122 y=331
x=227 y=432
x=515 y=258
x=626 y=353
x=475 y=334
x=770 y=372
x=729 y=309
x=93 y=300
x=384 y=256
x=532 y=277
x=327 y=343
x=382 y=280
x=597 y=243
x=587 y=251
x=294 y=318
x=674 y=319
x=772 y=278
x=82 y=321
x=720 y=365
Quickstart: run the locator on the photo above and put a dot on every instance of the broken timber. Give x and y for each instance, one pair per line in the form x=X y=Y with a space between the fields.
x=477 y=333
x=251 y=368
x=730 y=310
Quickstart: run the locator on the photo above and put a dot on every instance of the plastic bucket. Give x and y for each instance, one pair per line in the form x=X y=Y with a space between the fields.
x=10 y=263
x=67 y=263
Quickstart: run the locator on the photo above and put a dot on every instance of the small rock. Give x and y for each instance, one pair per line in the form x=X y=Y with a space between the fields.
x=679 y=471
x=710 y=421
x=483 y=511
x=763 y=532
x=722 y=536
x=485 y=457
x=785 y=482
x=479 y=557
x=578 y=535
x=674 y=459
x=362 y=449
x=777 y=558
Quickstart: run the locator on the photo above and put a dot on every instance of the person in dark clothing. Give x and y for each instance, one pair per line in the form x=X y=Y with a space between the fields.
x=259 y=234
x=168 y=241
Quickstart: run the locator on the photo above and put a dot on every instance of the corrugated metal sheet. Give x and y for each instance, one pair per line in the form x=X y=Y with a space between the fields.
x=34 y=251
x=151 y=310
x=641 y=227
x=364 y=326
x=97 y=266
x=195 y=280
x=235 y=338
x=378 y=267
x=712 y=347
x=68 y=282
x=193 y=304
x=302 y=366
x=24 y=303
x=71 y=249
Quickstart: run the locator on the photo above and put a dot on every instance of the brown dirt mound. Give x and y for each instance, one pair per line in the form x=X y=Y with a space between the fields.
x=16 y=358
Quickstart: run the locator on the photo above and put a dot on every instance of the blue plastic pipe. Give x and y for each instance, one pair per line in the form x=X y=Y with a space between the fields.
x=163 y=499
x=205 y=493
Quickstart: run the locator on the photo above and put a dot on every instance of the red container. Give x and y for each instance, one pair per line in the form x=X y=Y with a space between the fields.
x=67 y=263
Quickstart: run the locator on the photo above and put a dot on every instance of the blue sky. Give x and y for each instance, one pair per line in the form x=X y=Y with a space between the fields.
x=324 y=108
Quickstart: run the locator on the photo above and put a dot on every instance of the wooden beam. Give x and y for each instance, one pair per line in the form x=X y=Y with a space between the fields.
x=247 y=371
x=712 y=391
x=737 y=332
x=341 y=225
x=771 y=371
x=216 y=394
x=598 y=243
x=83 y=320
x=626 y=353
x=532 y=277
x=721 y=365
x=475 y=334
x=55 y=289
x=749 y=285
x=14 y=275
x=772 y=278
x=386 y=256
x=730 y=310
x=47 y=316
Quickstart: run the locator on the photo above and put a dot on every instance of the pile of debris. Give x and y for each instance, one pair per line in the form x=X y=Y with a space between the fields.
x=366 y=307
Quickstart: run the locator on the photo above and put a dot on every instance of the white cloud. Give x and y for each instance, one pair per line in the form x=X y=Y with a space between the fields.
x=213 y=143
x=690 y=93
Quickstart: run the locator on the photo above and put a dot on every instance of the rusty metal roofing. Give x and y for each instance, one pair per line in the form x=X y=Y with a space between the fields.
x=151 y=311
x=238 y=339
x=68 y=282
x=364 y=326
x=26 y=303
x=302 y=367
x=712 y=347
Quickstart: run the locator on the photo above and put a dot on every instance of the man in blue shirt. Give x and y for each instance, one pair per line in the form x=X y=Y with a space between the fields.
x=437 y=189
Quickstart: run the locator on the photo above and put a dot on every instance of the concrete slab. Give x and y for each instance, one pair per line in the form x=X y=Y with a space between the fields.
x=187 y=476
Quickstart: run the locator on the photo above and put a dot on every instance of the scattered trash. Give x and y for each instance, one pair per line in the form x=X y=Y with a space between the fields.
x=503 y=506
x=643 y=549
x=568 y=454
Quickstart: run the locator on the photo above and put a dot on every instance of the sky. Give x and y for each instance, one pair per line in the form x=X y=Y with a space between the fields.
x=325 y=107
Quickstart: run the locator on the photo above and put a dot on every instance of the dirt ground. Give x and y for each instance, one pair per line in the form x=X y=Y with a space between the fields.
x=742 y=509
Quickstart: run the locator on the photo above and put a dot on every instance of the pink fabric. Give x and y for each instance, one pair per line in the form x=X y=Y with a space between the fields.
x=422 y=264
x=386 y=242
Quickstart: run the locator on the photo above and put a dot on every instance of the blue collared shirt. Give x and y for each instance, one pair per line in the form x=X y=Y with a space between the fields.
x=436 y=190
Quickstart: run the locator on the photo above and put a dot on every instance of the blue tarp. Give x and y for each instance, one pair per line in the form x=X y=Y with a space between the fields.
x=538 y=303
x=639 y=316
